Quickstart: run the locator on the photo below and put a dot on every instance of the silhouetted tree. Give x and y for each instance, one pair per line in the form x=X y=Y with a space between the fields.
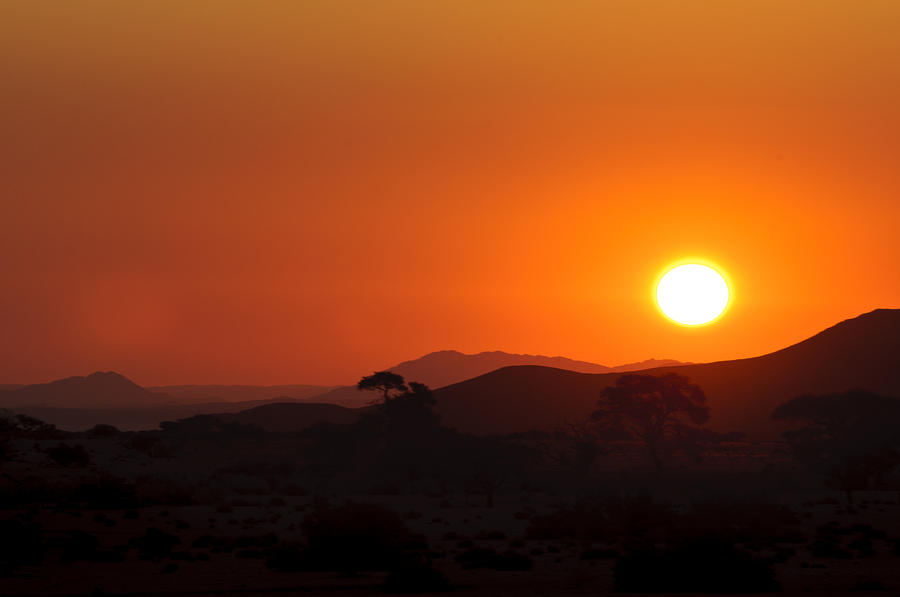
x=403 y=434
x=851 y=437
x=414 y=407
x=653 y=409
x=384 y=382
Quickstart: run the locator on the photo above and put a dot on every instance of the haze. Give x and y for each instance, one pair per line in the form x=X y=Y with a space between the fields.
x=284 y=193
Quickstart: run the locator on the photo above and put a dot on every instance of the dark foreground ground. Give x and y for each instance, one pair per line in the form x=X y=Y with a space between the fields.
x=254 y=517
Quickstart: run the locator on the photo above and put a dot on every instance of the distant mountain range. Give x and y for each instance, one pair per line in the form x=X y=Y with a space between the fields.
x=110 y=390
x=445 y=367
x=858 y=353
x=511 y=392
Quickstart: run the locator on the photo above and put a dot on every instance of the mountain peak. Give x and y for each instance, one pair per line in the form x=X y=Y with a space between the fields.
x=108 y=377
x=100 y=389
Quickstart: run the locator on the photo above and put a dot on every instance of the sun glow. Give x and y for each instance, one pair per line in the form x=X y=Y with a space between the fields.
x=692 y=294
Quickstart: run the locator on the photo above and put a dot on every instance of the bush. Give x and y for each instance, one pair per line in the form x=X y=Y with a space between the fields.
x=81 y=546
x=287 y=558
x=69 y=456
x=155 y=544
x=698 y=566
x=742 y=522
x=416 y=579
x=355 y=537
x=587 y=520
x=102 y=492
x=483 y=557
x=102 y=430
x=20 y=544
x=163 y=491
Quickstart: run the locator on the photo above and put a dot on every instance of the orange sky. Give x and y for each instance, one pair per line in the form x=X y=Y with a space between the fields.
x=287 y=192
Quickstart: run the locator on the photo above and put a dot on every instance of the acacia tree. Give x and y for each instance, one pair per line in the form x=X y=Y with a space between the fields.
x=384 y=382
x=850 y=437
x=653 y=409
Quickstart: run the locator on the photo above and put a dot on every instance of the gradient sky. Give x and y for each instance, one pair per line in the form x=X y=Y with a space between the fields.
x=302 y=192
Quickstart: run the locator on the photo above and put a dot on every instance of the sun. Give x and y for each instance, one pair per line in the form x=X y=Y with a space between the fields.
x=692 y=294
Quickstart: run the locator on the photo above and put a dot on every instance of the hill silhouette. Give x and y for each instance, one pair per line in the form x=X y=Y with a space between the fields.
x=863 y=352
x=103 y=389
x=446 y=367
x=80 y=402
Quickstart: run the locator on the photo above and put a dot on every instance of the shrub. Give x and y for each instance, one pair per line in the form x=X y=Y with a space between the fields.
x=696 y=566
x=155 y=544
x=287 y=558
x=418 y=578
x=354 y=537
x=78 y=546
x=69 y=456
x=20 y=544
x=102 y=430
x=483 y=557
x=102 y=492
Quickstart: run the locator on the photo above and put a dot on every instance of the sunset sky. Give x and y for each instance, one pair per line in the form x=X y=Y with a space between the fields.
x=303 y=192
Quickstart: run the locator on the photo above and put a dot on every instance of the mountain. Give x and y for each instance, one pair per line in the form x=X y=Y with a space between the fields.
x=239 y=393
x=77 y=403
x=97 y=390
x=863 y=352
x=446 y=367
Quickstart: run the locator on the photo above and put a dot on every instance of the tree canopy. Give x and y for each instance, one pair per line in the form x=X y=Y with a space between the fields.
x=384 y=382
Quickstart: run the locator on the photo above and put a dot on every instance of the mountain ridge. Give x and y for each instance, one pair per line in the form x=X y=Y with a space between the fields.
x=860 y=352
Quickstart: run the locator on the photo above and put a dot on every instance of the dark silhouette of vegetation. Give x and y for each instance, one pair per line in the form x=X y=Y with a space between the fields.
x=416 y=578
x=155 y=544
x=576 y=448
x=83 y=546
x=102 y=430
x=694 y=566
x=850 y=437
x=486 y=557
x=384 y=382
x=210 y=488
x=660 y=411
x=354 y=537
x=414 y=407
x=21 y=544
x=69 y=456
